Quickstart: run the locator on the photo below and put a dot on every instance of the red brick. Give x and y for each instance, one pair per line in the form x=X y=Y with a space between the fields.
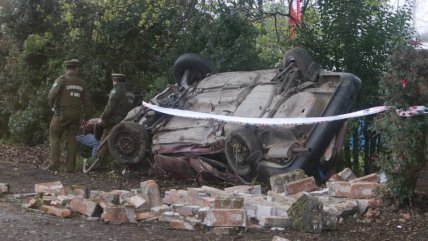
x=32 y=203
x=150 y=192
x=85 y=207
x=229 y=202
x=75 y=190
x=254 y=190
x=335 y=177
x=275 y=222
x=49 y=188
x=226 y=218
x=170 y=197
x=104 y=198
x=278 y=182
x=302 y=185
x=147 y=215
x=137 y=202
x=186 y=210
x=347 y=174
x=60 y=212
x=363 y=190
x=339 y=189
x=115 y=215
x=374 y=177
x=184 y=224
x=214 y=192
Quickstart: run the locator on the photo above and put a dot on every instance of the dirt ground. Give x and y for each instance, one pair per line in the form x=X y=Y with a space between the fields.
x=19 y=166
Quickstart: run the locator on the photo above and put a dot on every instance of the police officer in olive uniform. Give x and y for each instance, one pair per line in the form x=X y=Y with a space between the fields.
x=68 y=97
x=120 y=102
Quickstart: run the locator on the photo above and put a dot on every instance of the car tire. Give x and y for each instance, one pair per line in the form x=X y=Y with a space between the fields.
x=128 y=142
x=304 y=62
x=243 y=151
x=193 y=67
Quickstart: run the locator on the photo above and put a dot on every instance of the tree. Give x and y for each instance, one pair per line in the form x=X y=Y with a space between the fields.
x=357 y=37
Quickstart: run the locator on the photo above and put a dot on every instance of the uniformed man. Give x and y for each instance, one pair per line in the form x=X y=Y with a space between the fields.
x=68 y=97
x=120 y=102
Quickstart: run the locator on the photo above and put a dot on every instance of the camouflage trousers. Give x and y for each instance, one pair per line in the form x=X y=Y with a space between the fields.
x=104 y=151
x=63 y=124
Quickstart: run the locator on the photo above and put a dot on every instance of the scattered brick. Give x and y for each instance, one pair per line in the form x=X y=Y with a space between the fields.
x=49 y=188
x=275 y=221
x=76 y=191
x=105 y=199
x=229 y=202
x=279 y=181
x=122 y=194
x=131 y=214
x=60 y=212
x=147 y=215
x=161 y=209
x=374 y=177
x=339 y=189
x=364 y=204
x=169 y=216
x=32 y=203
x=246 y=189
x=137 y=202
x=202 y=214
x=186 y=210
x=186 y=224
x=302 y=185
x=115 y=215
x=214 y=192
x=85 y=207
x=346 y=174
x=335 y=177
x=170 y=197
x=226 y=218
x=150 y=192
x=339 y=207
x=363 y=190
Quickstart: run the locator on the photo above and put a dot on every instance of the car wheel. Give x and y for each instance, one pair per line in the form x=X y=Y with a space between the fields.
x=190 y=68
x=127 y=143
x=304 y=62
x=243 y=150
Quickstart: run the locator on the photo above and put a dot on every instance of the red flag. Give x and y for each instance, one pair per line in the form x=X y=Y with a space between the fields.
x=294 y=18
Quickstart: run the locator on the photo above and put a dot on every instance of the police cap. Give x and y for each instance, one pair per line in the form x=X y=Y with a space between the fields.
x=118 y=77
x=71 y=62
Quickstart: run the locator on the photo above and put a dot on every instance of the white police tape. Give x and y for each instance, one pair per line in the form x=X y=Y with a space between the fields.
x=415 y=110
x=412 y=111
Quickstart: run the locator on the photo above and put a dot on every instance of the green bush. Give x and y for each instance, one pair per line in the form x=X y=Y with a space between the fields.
x=30 y=124
x=404 y=139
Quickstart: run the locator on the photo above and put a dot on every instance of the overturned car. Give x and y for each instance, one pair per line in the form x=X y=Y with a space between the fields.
x=240 y=152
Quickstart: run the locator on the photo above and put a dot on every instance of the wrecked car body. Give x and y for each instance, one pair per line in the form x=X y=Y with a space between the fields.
x=181 y=147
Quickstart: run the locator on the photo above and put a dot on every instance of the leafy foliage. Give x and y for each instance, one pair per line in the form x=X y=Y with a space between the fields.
x=357 y=37
x=404 y=140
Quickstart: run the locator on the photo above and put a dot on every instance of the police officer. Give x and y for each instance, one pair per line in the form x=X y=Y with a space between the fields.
x=120 y=102
x=68 y=97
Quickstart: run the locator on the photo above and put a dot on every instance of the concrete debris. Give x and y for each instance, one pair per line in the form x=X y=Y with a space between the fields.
x=234 y=209
x=277 y=238
x=307 y=214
